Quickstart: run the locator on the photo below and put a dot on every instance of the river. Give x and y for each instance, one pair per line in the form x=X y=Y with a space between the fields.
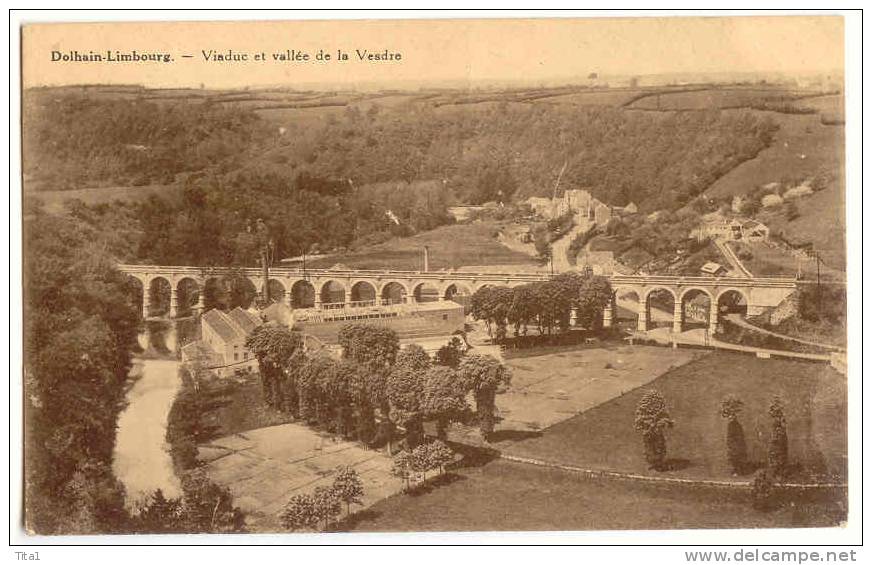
x=142 y=460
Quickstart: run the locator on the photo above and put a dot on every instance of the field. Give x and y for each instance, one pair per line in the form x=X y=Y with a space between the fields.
x=813 y=394
x=54 y=200
x=700 y=99
x=555 y=384
x=506 y=496
x=451 y=247
x=263 y=468
x=605 y=97
x=767 y=261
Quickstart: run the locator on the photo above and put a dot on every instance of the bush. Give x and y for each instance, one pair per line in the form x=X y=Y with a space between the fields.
x=737 y=450
x=777 y=439
x=348 y=487
x=763 y=491
x=299 y=513
x=652 y=420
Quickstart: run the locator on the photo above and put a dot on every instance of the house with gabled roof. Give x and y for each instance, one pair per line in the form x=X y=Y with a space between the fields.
x=223 y=341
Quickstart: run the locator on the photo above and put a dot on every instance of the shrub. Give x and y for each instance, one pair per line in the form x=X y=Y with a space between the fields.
x=652 y=420
x=763 y=491
x=348 y=487
x=299 y=513
x=777 y=439
x=737 y=450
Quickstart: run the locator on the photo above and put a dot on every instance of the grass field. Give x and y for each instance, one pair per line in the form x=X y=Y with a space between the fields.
x=814 y=396
x=505 y=496
x=450 y=246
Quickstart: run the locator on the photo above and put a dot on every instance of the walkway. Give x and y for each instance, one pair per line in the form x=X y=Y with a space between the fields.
x=742 y=322
x=701 y=337
x=730 y=255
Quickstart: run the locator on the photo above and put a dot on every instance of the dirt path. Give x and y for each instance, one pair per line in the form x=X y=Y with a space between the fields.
x=741 y=322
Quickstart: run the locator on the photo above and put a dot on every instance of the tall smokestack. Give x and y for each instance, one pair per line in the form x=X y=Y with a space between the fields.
x=426 y=259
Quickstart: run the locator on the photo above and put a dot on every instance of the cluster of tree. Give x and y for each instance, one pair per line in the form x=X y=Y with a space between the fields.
x=375 y=386
x=413 y=466
x=548 y=305
x=79 y=336
x=308 y=511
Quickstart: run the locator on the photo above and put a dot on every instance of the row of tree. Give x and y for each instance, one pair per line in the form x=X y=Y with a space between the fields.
x=548 y=305
x=375 y=386
x=308 y=511
x=652 y=420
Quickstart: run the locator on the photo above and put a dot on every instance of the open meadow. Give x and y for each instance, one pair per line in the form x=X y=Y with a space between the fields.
x=814 y=396
x=507 y=496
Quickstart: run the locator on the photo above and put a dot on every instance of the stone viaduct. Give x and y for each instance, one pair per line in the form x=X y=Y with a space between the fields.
x=332 y=288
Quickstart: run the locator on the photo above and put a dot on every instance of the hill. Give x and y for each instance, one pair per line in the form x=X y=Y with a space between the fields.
x=323 y=168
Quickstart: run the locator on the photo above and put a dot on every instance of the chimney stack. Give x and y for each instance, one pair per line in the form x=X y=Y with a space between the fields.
x=426 y=259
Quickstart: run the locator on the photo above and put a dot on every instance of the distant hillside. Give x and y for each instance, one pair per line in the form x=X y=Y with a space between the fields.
x=325 y=168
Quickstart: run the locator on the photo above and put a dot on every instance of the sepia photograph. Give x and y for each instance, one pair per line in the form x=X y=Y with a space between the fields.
x=442 y=274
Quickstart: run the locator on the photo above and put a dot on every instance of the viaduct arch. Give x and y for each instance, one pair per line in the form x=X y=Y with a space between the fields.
x=336 y=288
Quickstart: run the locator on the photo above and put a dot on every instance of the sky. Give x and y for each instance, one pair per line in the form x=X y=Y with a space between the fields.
x=434 y=51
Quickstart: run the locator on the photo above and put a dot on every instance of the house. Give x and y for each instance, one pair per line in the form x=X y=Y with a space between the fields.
x=224 y=335
x=752 y=230
x=711 y=268
x=631 y=208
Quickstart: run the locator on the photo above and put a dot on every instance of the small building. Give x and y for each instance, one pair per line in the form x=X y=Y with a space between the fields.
x=752 y=230
x=714 y=269
x=631 y=208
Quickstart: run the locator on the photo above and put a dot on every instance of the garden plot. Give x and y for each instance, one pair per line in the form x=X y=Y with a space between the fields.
x=264 y=468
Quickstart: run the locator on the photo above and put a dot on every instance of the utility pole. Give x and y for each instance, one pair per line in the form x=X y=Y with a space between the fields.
x=265 y=245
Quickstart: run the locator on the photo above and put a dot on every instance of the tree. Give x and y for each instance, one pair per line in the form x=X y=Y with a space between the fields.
x=405 y=391
x=777 y=439
x=444 y=398
x=652 y=421
x=484 y=375
x=451 y=353
x=763 y=490
x=327 y=504
x=402 y=467
x=370 y=345
x=375 y=348
x=348 y=486
x=439 y=455
x=274 y=346
x=413 y=357
x=300 y=513
x=737 y=450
